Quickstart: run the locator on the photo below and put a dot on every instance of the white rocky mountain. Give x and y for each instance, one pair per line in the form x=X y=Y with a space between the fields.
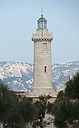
x=19 y=76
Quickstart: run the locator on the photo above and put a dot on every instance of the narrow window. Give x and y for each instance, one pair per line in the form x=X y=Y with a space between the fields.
x=45 y=46
x=45 y=68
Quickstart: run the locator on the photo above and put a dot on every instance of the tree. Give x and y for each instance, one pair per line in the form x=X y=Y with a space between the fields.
x=66 y=106
x=7 y=102
x=72 y=87
x=41 y=105
x=28 y=110
x=15 y=113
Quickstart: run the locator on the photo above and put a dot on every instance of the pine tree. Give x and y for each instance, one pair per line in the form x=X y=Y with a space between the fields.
x=66 y=106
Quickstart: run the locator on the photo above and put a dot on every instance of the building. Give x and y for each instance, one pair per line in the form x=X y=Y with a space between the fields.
x=42 y=60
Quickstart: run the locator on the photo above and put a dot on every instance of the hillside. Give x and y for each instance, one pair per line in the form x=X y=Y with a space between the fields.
x=19 y=76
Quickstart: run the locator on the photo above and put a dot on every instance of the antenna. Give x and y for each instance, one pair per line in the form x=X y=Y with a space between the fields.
x=42 y=11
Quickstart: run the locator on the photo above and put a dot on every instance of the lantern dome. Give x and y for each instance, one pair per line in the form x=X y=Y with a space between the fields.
x=42 y=23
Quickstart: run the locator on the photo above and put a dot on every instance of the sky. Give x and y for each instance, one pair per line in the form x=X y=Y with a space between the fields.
x=18 y=20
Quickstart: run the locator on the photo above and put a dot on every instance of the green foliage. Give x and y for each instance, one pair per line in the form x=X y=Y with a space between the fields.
x=59 y=124
x=41 y=106
x=49 y=108
x=15 y=113
x=66 y=106
x=7 y=102
x=72 y=87
x=16 y=119
x=27 y=110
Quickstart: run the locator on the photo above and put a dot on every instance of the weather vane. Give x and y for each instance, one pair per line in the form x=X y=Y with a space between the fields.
x=42 y=11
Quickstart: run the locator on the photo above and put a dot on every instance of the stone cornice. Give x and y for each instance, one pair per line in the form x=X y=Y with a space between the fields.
x=42 y=39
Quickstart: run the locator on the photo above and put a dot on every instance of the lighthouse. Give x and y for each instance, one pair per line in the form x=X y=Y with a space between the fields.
x=42 y=59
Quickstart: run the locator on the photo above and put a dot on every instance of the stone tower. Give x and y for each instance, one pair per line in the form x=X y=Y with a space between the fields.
x=42 y=59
